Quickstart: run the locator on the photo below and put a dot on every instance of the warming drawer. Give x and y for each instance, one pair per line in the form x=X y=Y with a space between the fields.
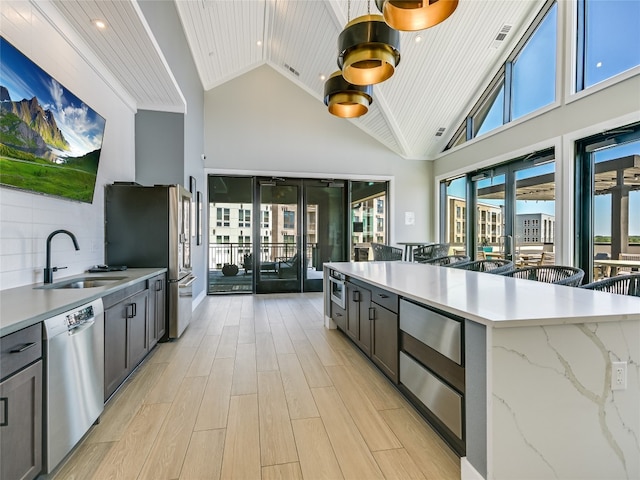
x=443 y=334
x=443 y=401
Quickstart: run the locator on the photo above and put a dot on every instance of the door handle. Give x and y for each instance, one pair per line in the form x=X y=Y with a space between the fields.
x=356 y=296
x=4 y=422
x=158 y=285
x=372 y=313
x=382 y=295
x=130 y=309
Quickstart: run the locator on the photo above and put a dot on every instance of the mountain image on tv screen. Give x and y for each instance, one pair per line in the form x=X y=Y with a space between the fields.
x=50 y=140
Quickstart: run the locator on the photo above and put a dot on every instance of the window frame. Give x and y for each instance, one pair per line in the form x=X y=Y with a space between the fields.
x=503 y=77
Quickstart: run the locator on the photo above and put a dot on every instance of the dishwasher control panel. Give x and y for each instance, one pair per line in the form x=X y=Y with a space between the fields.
x=78 y=317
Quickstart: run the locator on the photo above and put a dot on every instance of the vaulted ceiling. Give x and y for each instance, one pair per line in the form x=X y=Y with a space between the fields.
x=441 y=73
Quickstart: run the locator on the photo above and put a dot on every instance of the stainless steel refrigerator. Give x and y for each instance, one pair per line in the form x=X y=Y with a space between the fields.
x=151 y=227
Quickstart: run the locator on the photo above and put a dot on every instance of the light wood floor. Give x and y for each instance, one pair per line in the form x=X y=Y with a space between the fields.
x=257 y=388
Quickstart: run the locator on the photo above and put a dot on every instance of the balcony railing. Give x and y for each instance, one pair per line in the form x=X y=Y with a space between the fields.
x=234 y=253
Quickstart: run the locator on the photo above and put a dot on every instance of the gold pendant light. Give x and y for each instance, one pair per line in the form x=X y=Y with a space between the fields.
x=344 y=99
x=411 y=15
x=369 y=50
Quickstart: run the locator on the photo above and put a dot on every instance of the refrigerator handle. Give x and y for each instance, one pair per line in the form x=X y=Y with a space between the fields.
x=188 y=284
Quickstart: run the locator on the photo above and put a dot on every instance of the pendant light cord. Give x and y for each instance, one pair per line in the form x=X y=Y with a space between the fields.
x=348 y=11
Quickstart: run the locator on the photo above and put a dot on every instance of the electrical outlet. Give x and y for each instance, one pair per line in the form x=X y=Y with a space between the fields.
x=618 y=375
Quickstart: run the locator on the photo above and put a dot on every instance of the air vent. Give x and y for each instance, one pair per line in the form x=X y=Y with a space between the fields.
x=440 y=131
x=502 y=34
x=292 y=70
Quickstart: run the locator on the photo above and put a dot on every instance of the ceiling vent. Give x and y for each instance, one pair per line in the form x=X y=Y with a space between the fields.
x=502 y=34
x=440 y=131
x=292 y=70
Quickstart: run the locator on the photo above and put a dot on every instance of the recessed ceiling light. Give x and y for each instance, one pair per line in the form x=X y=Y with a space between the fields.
x=99 y=24
x=598 y=65
x=323 y=77
x=259 y=43
x=417 y=38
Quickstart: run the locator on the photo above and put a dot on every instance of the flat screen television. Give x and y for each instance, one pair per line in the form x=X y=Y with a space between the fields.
x=50 y=140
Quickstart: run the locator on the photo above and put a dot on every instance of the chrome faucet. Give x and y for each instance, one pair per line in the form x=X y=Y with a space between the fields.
x=48 y=271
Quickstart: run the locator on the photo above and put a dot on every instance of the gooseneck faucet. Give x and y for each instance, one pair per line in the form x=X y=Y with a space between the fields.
x=48 y=271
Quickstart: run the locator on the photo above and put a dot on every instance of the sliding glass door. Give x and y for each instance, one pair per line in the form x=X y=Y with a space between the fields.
x=278 y=245
x=608 y=202
x=513 y=214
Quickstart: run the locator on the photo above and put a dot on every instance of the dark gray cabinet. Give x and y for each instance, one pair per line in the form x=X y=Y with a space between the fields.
x=126 y=336
x=21 y=404
x=359 y=316
x=372 y=323
x=157 y=309
x=384 y=342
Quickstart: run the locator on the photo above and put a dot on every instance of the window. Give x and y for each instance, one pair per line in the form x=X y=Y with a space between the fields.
x=453 y=211
x=607 y=198
x=379 y=224
x=524 y=84
x=222 y=238
x=289 y=238
x=244 y=218
x=608 y=39
x=222 y=217
x=533 y=71
x=289 y=219
x=265 y=218
x=379 y=205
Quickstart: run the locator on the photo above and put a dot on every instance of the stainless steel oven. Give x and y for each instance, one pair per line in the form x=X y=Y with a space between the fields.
x=338 y=291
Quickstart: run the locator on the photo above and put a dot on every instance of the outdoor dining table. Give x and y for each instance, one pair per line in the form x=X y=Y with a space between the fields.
x=615 y=264
x=408 y=249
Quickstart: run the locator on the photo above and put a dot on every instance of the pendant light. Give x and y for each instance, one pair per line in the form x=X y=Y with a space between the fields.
x=369 y=50
x=411 y=15
x=344 y=99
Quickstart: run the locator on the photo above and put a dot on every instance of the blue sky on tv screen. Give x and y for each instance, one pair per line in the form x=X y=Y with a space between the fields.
x=81 y=126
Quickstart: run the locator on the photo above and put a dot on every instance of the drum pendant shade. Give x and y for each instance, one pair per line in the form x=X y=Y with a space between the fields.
x=369 y=50
x=411 y=15
x=344 y=99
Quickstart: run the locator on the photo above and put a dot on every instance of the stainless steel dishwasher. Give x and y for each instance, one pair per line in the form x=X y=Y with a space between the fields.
x=74 y=378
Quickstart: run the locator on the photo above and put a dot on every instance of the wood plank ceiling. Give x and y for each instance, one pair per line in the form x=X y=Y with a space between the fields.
x=437 y=81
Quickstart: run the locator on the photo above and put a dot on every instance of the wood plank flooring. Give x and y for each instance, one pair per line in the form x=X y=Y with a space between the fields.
x=257 y=388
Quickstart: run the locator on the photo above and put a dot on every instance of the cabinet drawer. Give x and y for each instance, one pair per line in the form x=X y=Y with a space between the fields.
x=385 y=299
x=444 y=402
x=339 y=315
x=19 y=349
x=443 y=334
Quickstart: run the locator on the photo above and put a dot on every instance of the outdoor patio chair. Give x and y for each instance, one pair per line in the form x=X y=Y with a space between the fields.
x=628 y=256
x=386 y=252
x=622 y=285
x=288 y=267
x=556 y=274
x=446 y=260
x=496 y=266
x=426 y=252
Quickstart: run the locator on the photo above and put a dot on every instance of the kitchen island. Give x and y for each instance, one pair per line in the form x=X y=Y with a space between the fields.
x=537 y=360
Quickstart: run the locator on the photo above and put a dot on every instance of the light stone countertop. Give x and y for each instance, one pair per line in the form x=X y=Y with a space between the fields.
x=493 y=300
x=21 y=307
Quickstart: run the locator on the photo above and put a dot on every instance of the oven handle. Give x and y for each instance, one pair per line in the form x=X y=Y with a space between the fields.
x=188 y=284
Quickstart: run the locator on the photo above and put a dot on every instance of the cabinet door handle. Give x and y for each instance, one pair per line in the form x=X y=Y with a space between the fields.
x=382 y=295
x=372 y=313
x=158 y=285
x=356 y=296
x=24 y=347
x=5 y=412
x=338 y=314
x=130 y=310
x=135 y=309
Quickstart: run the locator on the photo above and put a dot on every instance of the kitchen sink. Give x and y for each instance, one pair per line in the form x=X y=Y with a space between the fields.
x=83 y=282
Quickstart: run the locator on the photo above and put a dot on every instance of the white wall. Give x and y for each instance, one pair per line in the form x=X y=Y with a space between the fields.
x=164 y=21
x=262 y=123
x=26 y=219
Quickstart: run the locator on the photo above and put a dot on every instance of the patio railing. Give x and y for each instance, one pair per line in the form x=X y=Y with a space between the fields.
x=234 y=253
